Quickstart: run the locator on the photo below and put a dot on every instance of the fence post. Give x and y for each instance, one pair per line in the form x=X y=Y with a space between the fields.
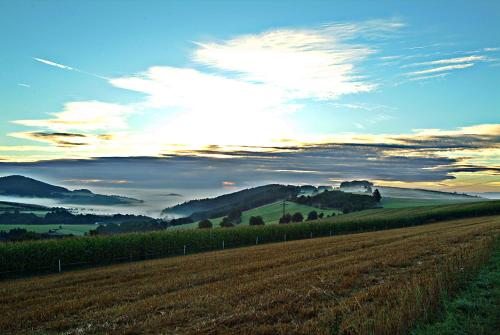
x=59 y=265
x=222 y=244
x=257 y=240
x=330 y=233
x=184 y=249
x=311 y=234
x=284 y=238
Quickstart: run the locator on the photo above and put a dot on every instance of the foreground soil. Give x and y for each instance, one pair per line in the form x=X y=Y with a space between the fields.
x=312 y=286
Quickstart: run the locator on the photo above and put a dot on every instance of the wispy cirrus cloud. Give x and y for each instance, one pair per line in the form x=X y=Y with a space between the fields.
x=454 y=60
x=441 y=69
x=434 y=76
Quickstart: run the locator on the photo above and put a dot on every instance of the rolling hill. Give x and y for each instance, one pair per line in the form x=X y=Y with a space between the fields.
x=20 y=186
x=243 y=200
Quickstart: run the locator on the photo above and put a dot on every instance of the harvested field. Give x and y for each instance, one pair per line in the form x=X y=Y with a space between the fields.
x=381 y=282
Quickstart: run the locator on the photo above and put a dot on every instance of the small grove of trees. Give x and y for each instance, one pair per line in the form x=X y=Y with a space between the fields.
x=296 y=217
x=256 y=221
x=313 y=215
x=204 y=224
x=347 y=202
x=232 y=219
x=377 y=196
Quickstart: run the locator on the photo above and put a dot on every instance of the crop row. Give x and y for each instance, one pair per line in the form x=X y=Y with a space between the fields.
x=35 y=256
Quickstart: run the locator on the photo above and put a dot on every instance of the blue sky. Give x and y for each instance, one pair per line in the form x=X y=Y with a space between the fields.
x=86 y=79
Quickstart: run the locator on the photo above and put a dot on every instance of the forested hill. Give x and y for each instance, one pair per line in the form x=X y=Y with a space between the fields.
x=27 y=187
x=242 y=200
x=347 y=202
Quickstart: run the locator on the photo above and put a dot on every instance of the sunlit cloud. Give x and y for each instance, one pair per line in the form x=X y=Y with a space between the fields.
x=23 y=85
x=84 y=116
x=210 y=109
x=255 y=83
x=318 y=64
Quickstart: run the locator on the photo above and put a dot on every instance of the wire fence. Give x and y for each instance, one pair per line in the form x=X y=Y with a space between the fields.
x=60 y=266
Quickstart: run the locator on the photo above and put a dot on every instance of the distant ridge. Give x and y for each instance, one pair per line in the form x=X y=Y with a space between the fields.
x=21 y=186
x=417 y=193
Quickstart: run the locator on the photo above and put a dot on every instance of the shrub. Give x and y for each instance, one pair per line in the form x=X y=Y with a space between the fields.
x=313 y=215
x=205 y=224
x=256 y=221
x=286 y=218
x=297 y=217
x=226 y=222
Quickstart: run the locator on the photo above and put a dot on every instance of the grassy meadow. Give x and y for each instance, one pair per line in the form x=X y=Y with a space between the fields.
x=476 y=309
x=23 y=208
x=270 y=213
x=74 y=229
x=383 y=282
x=389 y=202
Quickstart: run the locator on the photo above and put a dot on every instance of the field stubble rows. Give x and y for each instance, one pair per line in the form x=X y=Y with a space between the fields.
x=383 y=282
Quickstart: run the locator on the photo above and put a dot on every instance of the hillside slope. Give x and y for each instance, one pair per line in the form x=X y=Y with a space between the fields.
x=270 y=213
x=243 y=200
x=21 y=186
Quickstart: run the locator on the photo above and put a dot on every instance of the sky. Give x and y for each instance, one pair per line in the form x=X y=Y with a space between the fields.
x=223 y=95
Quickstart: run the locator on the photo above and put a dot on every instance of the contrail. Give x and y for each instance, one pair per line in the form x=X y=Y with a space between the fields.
x=69 y=68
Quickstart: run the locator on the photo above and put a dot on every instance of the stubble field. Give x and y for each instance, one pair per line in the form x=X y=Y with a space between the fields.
x=380 y=282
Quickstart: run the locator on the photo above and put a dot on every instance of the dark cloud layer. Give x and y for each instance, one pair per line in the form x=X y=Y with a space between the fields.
x=412 y=159
x=313 y=165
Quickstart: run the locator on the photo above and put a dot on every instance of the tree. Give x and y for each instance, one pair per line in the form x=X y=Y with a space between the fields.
x=256 y=221
x=297 y=217
x=286 y=218
x=205 y=224
x=321 y=215
x=234 y=216
x=226 y=222
x=313 y=215
x=377 y=196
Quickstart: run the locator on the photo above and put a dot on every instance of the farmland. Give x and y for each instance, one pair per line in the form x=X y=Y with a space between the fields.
x=270 y=213
x=74 y=229
x=389 y=202
x=33 y=256
x=348 y=284
x=6 y=206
